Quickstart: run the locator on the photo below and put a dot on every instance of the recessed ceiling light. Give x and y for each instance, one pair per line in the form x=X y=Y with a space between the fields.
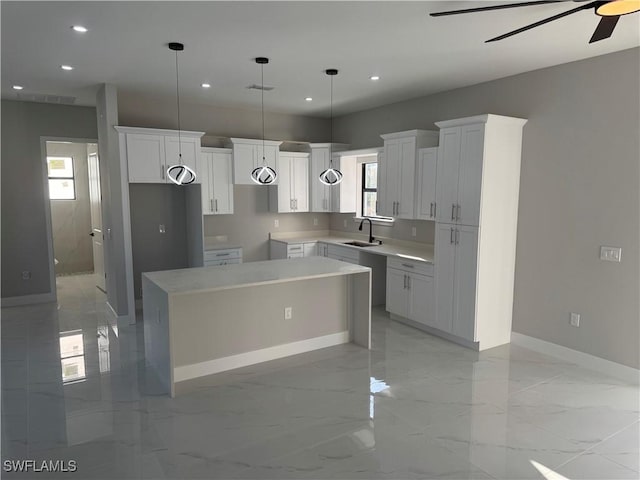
x=66 y=67
x=374 y=77
x=17 y=87
x=80 y=29
x=205 y=85
x=308 y=99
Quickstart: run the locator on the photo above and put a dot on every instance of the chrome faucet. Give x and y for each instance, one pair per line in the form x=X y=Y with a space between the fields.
x=371 y=238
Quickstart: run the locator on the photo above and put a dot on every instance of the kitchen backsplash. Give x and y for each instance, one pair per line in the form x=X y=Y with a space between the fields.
x=400 y=229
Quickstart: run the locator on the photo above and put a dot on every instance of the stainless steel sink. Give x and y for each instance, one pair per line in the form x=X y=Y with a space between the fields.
x=356 y=243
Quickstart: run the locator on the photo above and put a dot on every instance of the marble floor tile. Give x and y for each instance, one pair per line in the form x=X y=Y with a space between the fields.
x=414 y=406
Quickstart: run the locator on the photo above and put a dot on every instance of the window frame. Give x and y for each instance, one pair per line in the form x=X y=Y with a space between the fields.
x=364 y=189
x=72 y=177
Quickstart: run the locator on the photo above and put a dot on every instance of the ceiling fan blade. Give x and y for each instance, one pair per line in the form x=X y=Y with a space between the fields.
x=495 y=7
x=604 y=29
x=546 y=20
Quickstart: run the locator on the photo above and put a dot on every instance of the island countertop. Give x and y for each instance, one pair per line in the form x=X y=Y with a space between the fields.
x=194 y=280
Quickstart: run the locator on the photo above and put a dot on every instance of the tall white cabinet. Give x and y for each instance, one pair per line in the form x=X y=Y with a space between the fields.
x=397 y=171
x=217 y=181
x=477 y=191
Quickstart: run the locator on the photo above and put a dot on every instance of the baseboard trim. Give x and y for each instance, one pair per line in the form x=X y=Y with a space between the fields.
x=28 y=300
x=622 y=372
x=188 y=372
x=435 y=332
x=118 y=318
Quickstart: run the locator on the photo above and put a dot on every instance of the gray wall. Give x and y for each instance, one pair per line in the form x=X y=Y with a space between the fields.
x=579 y=190
x=152 y=205
x=71 y=219
x=251 y=222
x=24 y=229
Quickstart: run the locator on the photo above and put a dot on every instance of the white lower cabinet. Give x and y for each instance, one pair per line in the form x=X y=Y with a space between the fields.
x=344 y=254
x=279 y=250
x=410 y=291
x=322 y=249
x=455 y=274
x=222 y=256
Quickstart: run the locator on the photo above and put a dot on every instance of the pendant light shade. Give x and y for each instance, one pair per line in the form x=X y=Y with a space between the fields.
x=179 y=173
x=263 y=174
x=331 y=176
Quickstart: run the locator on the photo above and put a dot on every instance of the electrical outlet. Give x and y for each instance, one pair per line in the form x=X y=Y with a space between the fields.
x=413 y=231
x=610 y=254
x=344 y=223
x=575 y=319
x=315 y=221
x=162 y=228
x=276 y=223
x=26 y=275
x=288 y=313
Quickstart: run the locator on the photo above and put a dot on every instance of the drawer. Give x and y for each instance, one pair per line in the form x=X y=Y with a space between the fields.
x=230 y=261
x=223 y=254
x=295 y=248
x=344 y=252
x=421 y=268
x=295 y=255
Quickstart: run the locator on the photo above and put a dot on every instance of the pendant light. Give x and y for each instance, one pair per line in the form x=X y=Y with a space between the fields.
x=331 y=176
x=264 y=174
x=179 y=173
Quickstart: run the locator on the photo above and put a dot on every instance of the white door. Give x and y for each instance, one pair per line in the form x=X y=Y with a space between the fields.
x=464 y=287
x=95 y=199
x=444 y=269
x=426 y=194
x=301 y=183
x=406 y=171
x=397 y=293
x=447 y=181
x=145 y=158
x=206 y=166
x=422 y=299
x=470 y=174
x=221 y=179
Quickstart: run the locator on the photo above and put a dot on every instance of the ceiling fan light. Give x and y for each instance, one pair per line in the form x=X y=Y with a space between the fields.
x=264 y=175
x=618 y=7
x=331 y=176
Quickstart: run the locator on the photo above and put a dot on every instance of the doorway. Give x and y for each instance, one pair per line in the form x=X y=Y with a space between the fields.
x=73 y=177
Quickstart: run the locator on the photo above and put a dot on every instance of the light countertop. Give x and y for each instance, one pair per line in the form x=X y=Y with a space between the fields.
x=193 y=280
x=390 y=248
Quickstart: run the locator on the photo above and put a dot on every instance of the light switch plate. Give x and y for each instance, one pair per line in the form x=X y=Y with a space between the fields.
x=413 y=231
x=610 y=254
x=276 y=223
x=161 y=228
x=574 y=321
x=315 y=221
x=288 y=313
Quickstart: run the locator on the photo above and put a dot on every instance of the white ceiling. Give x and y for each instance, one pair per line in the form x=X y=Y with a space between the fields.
x=413 y=53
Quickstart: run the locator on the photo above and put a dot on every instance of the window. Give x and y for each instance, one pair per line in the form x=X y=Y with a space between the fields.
x=62 y=185
x=369 y=189
x=72 y=356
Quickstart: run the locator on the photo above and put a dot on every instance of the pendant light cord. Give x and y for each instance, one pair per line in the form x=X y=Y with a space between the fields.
x=331 y=124
x=262 y=102
x=178 y=109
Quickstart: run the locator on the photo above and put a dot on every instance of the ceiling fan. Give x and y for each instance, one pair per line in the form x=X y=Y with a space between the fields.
x=610 y=11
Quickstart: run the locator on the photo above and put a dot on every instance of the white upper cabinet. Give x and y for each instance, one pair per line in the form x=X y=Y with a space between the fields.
x=149 y=152
x=217 y=181
x=397 y=171
x=292 y=192
x=319 y=193
x=247 y=155
x=426 y=192
x=343 y=195
x=461 y=159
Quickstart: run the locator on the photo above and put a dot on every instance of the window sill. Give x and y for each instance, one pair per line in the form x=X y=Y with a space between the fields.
x=376 y=220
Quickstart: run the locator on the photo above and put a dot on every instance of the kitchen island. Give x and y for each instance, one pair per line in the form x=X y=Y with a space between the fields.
x=203 y=321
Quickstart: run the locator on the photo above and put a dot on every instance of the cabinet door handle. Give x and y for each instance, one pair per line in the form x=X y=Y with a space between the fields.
x=162 y=171
x=408 y=282
x=296 y=203
x=211 y=202
x=290 y=204
x=453 y=211
x=404 y=280
x=435 y=209
x=376 y=206
x=216 y=204
x=408 y=265
x=222 y=254
x=431 y=209
x=458 y=212
x=451 y=237
x=457 y=236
